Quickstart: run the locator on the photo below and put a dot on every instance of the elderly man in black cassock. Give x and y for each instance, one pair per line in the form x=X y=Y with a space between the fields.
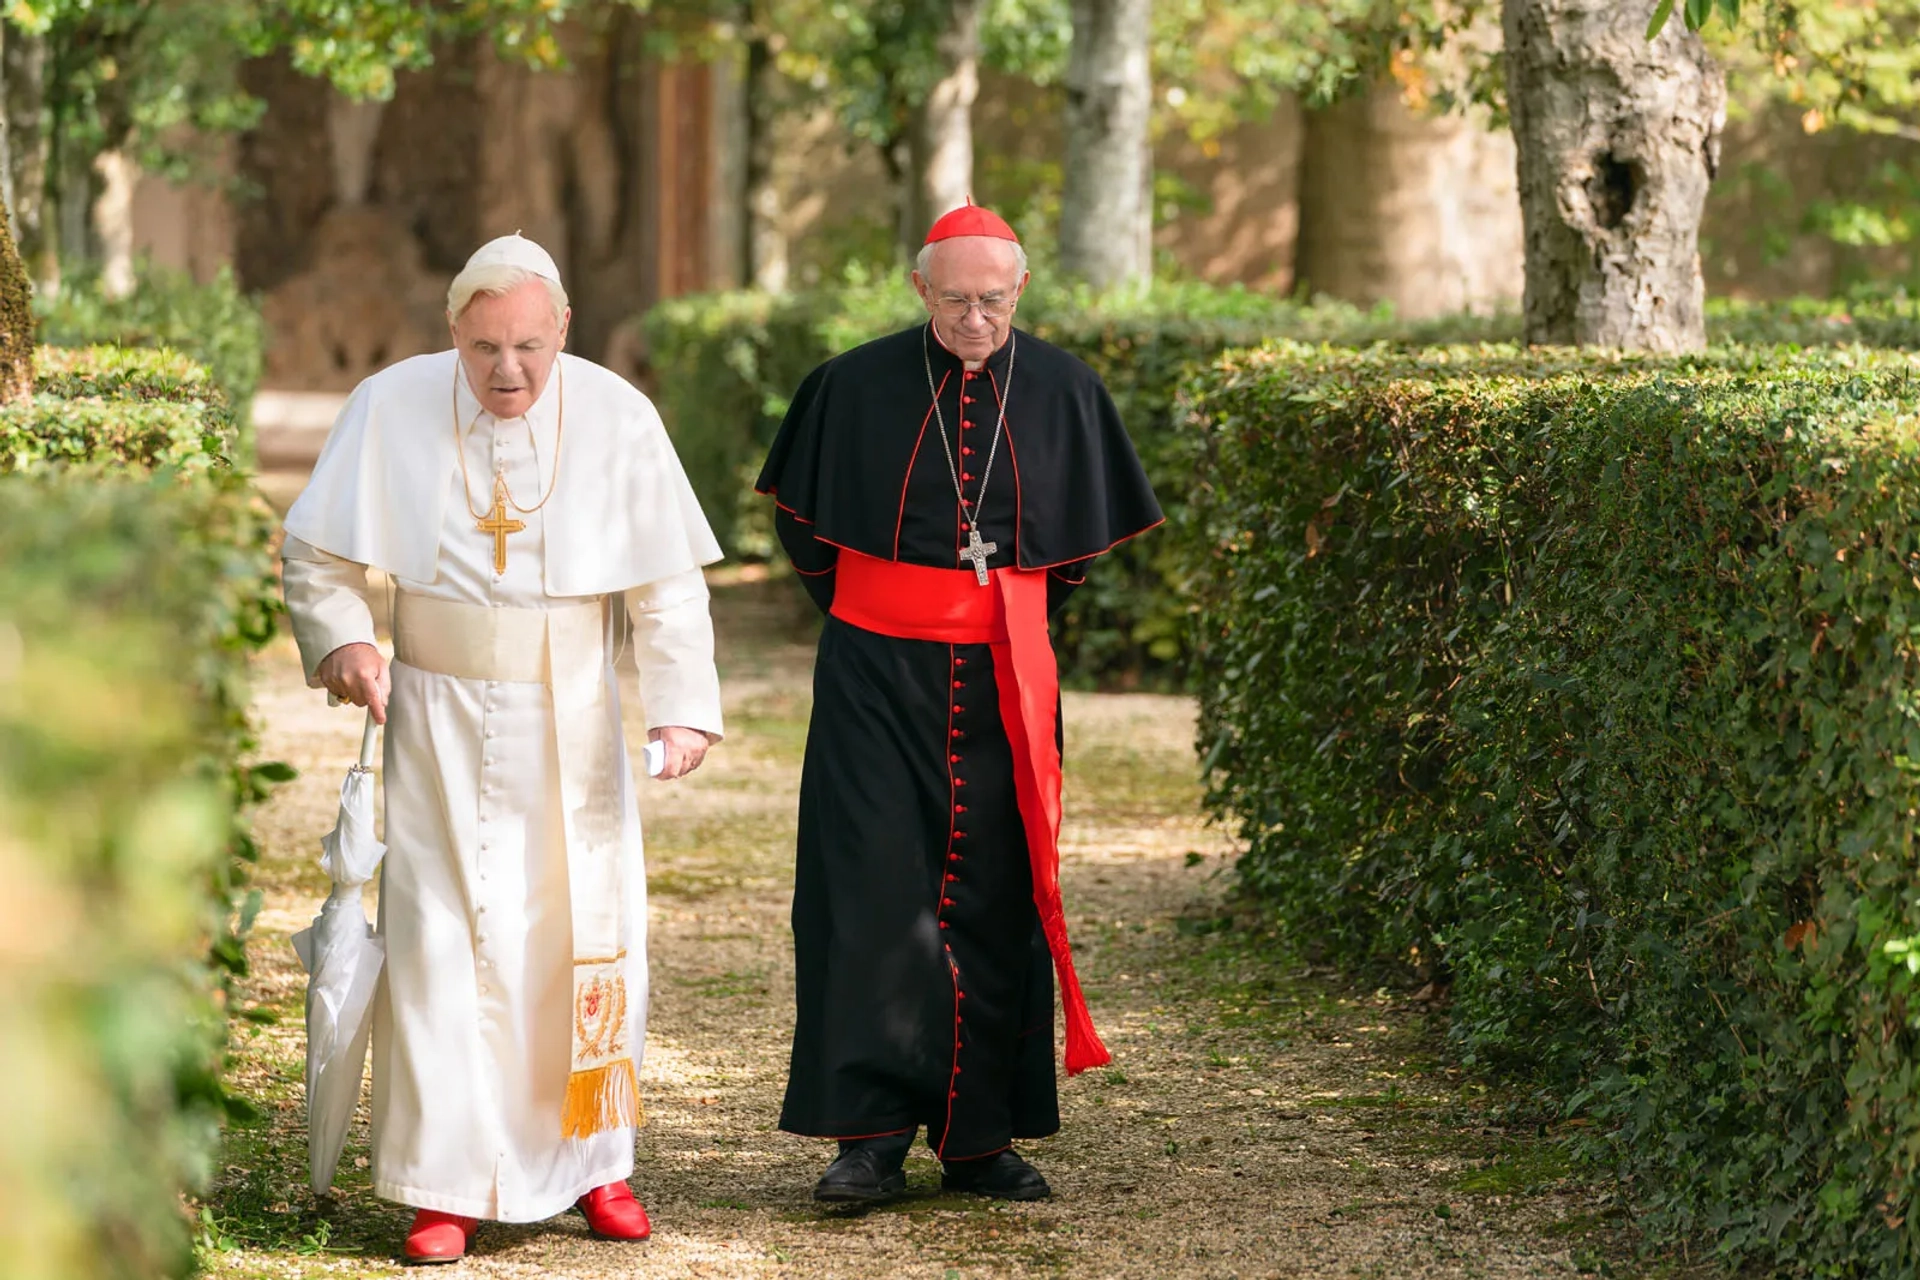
x=941 y=492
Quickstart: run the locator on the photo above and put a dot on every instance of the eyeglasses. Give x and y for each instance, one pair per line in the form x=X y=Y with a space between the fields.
x=995 y=306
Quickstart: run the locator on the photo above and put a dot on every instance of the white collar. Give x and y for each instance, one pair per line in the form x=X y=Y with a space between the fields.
x=473 y=415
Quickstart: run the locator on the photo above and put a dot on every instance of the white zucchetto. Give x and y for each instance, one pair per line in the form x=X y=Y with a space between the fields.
x=516 y=251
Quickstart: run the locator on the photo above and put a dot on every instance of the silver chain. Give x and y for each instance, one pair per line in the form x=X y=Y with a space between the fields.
x=946 y=445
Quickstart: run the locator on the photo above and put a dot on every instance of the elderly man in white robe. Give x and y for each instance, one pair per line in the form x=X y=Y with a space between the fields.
x=518 y=498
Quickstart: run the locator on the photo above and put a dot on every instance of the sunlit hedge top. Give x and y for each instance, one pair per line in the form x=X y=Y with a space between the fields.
x=141 y=408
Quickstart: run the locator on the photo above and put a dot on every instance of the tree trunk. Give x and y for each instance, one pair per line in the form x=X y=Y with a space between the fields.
x=1618 y=139
x=765 y=250
x=113 y=220
x=31 y=148
x=1106 y=207
x=16 y=321
x=1433 y=229
x=941 y=141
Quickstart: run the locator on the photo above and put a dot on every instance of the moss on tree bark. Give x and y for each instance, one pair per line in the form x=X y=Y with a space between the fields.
x=16 y=320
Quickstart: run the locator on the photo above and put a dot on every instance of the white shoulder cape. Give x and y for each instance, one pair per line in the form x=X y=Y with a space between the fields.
x=622 y=513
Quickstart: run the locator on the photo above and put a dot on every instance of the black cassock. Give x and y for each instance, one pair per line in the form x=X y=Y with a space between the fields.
x=925 y=991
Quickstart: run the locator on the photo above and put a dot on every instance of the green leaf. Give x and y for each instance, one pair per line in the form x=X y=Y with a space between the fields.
x=275 y=771
x=1662 y=12
x=1698 y=11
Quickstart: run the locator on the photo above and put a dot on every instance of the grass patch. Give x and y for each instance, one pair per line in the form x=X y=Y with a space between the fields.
x=1526 y=1169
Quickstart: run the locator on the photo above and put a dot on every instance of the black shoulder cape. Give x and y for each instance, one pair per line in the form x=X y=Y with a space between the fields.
x=848 y=445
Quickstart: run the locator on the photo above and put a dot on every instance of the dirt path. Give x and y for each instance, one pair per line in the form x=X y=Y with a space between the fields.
x=1258 y=1120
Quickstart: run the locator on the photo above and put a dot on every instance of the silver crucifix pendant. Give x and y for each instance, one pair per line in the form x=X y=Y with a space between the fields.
x=977 y=552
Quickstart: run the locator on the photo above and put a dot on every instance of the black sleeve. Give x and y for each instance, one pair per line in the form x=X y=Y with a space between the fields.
x=812 y=559
x=1063 y=580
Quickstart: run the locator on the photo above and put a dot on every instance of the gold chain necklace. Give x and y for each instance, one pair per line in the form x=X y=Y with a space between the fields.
x=496 y=523
x=500 y=481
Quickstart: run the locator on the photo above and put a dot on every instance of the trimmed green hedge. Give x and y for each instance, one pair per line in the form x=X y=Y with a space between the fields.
x=214 y=324
x=1586 y=686
x=104 y=404
x=135 y=580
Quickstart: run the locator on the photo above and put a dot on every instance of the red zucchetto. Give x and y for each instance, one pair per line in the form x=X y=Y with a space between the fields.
x=971 y=220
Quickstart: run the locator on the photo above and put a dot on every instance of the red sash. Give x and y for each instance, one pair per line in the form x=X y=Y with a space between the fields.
x=914 y=602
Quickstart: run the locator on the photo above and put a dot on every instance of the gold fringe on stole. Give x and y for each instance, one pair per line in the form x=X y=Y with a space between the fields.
x=601 y=1099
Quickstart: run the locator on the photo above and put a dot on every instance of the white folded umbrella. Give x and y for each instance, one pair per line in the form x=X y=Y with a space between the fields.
x=342 y=957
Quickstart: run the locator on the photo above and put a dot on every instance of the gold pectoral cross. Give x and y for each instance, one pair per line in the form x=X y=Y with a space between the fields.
x=499 y=524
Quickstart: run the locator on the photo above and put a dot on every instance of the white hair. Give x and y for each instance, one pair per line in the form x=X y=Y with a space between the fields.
x=495 y=280
x=925 y=257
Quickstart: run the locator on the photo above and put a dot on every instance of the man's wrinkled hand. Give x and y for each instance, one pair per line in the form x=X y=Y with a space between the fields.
x=357 y=673
x=685 y=749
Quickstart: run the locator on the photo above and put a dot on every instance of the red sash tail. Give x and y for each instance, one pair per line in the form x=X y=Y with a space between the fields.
x=1029 y=680
x=915 y=602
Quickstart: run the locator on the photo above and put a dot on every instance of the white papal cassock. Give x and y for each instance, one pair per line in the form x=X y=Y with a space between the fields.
x=472 y=1030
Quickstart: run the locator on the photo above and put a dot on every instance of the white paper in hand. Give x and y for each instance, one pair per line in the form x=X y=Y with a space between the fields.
x=656 y=754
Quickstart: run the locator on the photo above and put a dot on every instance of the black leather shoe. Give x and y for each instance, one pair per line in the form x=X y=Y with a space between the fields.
x=1003 y=1177
x=860 y=1177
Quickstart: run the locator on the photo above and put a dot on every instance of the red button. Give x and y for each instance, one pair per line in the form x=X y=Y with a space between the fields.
x=953 y=759
x=946 y=902
x=959 y=782
x=971 y=374
x=952 y=879
x=959 y=808
x=956 y=733
x=958 y=685
x=966 y=399
x=966 y=450
x=959 y=662
x=959 y=995
x=945 y=925
x=954 y=1093
x=959 y=835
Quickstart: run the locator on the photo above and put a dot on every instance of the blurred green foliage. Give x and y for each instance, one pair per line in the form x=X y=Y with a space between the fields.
x=135 y=581
x=215 y=325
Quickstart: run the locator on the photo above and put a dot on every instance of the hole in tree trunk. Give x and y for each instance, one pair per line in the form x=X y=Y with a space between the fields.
x=1614 y=187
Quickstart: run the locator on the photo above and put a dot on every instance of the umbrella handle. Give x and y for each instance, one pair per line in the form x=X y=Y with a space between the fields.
x=367 y=739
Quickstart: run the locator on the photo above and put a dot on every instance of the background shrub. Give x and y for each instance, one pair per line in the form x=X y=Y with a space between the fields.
x=726 y=365
x=215 y=325
x=1585 y=686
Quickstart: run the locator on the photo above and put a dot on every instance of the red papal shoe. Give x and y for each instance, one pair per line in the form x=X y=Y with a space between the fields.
x=613 y=1214
x=439 y=1237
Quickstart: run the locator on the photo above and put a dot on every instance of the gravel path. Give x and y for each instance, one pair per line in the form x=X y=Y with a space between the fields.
x=1259 y=1120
